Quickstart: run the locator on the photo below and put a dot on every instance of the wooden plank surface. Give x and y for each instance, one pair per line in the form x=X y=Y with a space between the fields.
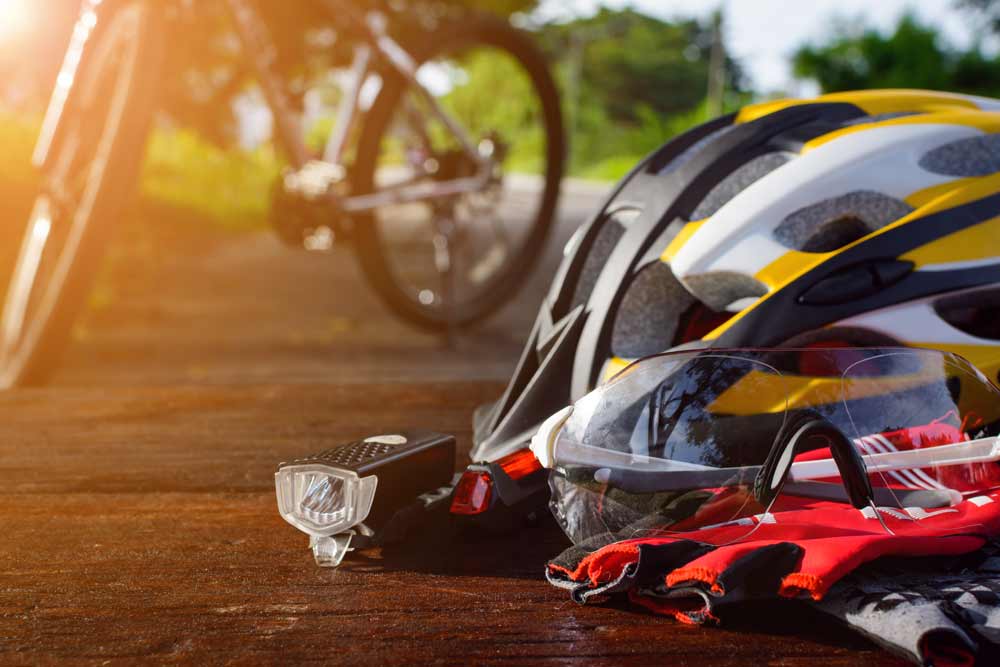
x=140 y=523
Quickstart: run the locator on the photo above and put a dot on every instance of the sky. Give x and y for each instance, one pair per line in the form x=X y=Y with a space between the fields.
x=762 y=34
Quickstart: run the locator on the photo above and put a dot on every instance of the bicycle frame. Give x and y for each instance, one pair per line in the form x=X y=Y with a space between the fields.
x=261 y=53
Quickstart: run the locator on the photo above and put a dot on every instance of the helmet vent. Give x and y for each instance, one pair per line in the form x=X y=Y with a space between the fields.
x=973 y=156
x=836 y=234
x=718 y=289
x=835 y=222
x=649 y=313
x=976 y=313
x=737 y=181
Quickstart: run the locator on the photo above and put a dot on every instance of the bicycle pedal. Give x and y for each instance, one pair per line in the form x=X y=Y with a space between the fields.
x=319 y=239
x=305 y=224
x=315 y=180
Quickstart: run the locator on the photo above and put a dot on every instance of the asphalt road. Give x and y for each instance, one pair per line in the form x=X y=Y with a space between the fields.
x=181 y=304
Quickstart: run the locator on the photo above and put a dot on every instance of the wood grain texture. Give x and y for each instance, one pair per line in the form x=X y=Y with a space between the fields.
x=140 y=524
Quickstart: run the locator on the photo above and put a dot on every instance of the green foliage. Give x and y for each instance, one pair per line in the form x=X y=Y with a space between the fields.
x=625 y=61
x=913 y=56
x=612 y=155
x=630 y=82
x=494 y=94
x=230 y=188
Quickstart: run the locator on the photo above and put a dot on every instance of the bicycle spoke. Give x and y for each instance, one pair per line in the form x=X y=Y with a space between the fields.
x=488 y=264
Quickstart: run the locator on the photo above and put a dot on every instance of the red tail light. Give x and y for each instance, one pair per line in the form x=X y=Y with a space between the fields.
x=520 y=464
x=472 y=495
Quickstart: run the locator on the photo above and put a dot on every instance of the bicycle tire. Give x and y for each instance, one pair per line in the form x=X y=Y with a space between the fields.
x=45 y=332
x=367 y=235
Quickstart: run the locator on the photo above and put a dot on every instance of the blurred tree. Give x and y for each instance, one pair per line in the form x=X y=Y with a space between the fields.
x=631 y=81
x=913 y=56
x=627 y=60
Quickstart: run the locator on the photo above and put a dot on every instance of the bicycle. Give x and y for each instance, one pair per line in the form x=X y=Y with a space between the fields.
x=416 y=161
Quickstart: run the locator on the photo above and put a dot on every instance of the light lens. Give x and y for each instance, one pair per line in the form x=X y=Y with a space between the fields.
x=520 y=464
x=472 y=495
x=320 y=500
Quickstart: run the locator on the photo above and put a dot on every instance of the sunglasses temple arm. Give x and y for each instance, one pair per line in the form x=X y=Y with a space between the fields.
x=983 y=450
x=883 y=497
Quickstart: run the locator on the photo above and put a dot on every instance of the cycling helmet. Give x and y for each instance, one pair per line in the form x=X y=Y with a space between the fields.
x=854 y=219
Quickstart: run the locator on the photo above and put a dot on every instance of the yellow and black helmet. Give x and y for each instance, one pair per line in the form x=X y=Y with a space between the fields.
x=866 y=218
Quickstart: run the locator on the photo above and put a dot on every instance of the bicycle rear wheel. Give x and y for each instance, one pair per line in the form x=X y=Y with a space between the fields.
x=491 y=79
x=87 y=179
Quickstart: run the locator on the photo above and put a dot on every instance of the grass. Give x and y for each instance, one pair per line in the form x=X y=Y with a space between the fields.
x=229 y=189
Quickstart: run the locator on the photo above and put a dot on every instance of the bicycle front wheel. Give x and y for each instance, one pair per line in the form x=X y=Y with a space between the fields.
x=453 y=259
x=87 y=178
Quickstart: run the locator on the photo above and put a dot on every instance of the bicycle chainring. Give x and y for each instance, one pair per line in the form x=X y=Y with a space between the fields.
x=303 y=223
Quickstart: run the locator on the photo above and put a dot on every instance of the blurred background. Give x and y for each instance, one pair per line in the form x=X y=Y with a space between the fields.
x=196 y=289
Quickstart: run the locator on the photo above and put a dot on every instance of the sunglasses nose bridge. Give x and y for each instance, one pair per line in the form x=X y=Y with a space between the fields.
x=853 y=473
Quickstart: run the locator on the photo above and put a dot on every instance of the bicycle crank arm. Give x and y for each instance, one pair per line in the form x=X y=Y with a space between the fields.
x=413 y=193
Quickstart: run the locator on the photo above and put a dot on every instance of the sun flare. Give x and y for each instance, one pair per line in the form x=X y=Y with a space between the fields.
x=14 y=16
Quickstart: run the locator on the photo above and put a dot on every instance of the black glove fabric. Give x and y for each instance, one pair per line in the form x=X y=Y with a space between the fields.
x=934 y=611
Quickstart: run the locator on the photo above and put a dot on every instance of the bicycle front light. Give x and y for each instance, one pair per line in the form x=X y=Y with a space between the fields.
x=323 y=502
x=329 y=495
